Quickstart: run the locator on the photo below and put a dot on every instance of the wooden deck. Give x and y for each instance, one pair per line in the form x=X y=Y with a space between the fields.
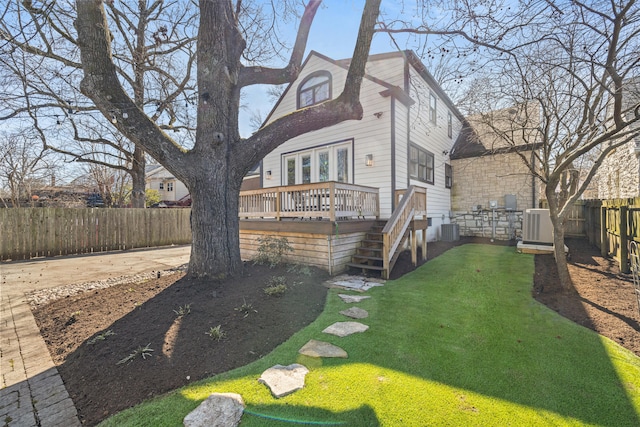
x=324 y=200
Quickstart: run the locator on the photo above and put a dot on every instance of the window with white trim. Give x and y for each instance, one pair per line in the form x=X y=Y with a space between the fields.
x=321 y=164
x=161 y=186
x=448 y=176
x=169 y=186
x=449 y=124
x=314 y=89
x=421 y=164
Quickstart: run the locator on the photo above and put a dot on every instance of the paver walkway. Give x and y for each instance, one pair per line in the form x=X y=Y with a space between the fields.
x=31 y=390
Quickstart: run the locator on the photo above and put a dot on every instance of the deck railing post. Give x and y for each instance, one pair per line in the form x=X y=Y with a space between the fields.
x=332 y=201
x=278 y=203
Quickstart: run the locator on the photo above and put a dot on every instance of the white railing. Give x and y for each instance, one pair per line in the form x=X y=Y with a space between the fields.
x=413 y=203
x=323 y=200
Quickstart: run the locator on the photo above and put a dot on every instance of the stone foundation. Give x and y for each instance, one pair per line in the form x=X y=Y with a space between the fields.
x=480 y=223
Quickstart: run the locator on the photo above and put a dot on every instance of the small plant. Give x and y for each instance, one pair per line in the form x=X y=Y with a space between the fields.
x=101 y=337
x=302 y=269
x=276 y=287
x=271 y=250
x=183 y=310
x=216 y=332
x=140 y=351
x=246 y=308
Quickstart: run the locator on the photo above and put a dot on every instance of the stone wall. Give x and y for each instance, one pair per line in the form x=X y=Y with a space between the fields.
x=479 y=180
x=619 y=175
x=480 y=223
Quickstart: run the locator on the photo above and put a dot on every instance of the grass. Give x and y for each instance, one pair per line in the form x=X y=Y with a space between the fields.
x=459 y=341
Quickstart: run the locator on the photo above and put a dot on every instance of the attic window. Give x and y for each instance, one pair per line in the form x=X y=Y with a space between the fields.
x=314 y=89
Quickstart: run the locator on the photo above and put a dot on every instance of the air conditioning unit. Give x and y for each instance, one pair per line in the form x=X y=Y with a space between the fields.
x=450 y=232
x=537 y=228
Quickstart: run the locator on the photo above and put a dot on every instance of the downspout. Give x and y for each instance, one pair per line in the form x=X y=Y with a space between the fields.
x=393 y=154
x=329 y=251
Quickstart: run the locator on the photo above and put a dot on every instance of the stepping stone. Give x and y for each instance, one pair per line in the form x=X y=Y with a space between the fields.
x=284 y=380
x=356 y=283
x=352 y=298
x=218 y=410
x=355 y=313
x=343 y=329
x=322 y=349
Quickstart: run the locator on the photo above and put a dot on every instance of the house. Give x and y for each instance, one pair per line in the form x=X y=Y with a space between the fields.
x=408 y=129
x=493 y=186
x=619 y=174
x=170 y=189
x=356 y=193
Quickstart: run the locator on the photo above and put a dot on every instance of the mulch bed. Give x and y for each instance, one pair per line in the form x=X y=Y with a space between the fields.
x=254 y=323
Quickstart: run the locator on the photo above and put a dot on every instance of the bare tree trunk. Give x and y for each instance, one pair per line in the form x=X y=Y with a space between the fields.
x=558 y=241
x=137 y=173
x=215 y=226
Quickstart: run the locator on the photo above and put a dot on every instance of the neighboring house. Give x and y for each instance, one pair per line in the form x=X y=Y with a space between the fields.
x=408 y=128
x=619 y=174
x=160 y=179
x=492 y=185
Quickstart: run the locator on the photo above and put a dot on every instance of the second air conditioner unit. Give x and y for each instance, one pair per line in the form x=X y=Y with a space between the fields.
x=537 y=227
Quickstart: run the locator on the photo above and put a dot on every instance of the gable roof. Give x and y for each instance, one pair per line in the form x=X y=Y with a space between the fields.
x=390 y=90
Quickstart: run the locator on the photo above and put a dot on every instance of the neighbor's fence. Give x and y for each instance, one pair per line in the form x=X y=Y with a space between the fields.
x=34 y=232
x=611 y=225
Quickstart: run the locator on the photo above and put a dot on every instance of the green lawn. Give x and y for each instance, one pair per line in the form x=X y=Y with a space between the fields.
x=460 y=342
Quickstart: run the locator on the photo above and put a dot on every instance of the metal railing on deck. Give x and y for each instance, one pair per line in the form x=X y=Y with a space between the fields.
x=324 y=200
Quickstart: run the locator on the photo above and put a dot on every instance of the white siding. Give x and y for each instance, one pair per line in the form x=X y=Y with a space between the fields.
x=433 y=138
x=391 y=70
x=371 y=135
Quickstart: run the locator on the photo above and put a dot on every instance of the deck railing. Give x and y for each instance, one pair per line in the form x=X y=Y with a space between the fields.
x=323 y=200
x=413 y=203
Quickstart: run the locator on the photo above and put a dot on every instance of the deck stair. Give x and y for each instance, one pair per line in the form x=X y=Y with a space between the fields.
x=368 y=256
x=383 y=244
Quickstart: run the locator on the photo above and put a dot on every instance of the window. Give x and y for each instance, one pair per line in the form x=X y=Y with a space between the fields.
x=449 y=125
x=291 y=171
x=169 y=186
x=433 y=113
x=161 y=186
x=448 y=176
x=421 y=164
x=314 y=89
x=322 y=164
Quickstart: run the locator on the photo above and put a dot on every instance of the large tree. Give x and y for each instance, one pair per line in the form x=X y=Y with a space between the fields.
x=214 y=167
x=574 y=92
x=153 y=45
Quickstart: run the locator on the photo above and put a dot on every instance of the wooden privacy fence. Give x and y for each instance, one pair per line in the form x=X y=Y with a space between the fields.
x=620 y=225
x=35 y=232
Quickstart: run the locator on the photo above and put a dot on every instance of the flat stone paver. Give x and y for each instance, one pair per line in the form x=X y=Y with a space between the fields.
x=356 y=283
x=284 y=380
x=344 y=329
x=355 y=313
x=32 y=392
x=315 y=348
x=353 y=298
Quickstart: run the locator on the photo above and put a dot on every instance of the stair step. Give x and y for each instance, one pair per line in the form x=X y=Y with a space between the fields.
x=372 y=241
x=368 y=249
x=365 y=266
x=368 y=258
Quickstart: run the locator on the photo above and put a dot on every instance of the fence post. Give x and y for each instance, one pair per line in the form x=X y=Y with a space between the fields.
x=624 y=239
x=604 y=244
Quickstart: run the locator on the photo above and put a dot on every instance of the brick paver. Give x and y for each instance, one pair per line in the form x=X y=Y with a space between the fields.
x=32 y=393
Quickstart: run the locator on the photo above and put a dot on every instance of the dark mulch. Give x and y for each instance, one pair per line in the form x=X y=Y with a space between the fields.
x=143 y=314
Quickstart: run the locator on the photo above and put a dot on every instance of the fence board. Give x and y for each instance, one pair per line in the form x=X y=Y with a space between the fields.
x=33 y=232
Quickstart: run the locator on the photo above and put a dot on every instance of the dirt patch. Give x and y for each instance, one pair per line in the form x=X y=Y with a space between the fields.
x=131 y=317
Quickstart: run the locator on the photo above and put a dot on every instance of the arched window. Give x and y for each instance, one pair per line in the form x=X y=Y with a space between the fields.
x=314 y=89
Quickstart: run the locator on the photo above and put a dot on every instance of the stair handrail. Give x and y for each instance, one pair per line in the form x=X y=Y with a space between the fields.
x=393 y=232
